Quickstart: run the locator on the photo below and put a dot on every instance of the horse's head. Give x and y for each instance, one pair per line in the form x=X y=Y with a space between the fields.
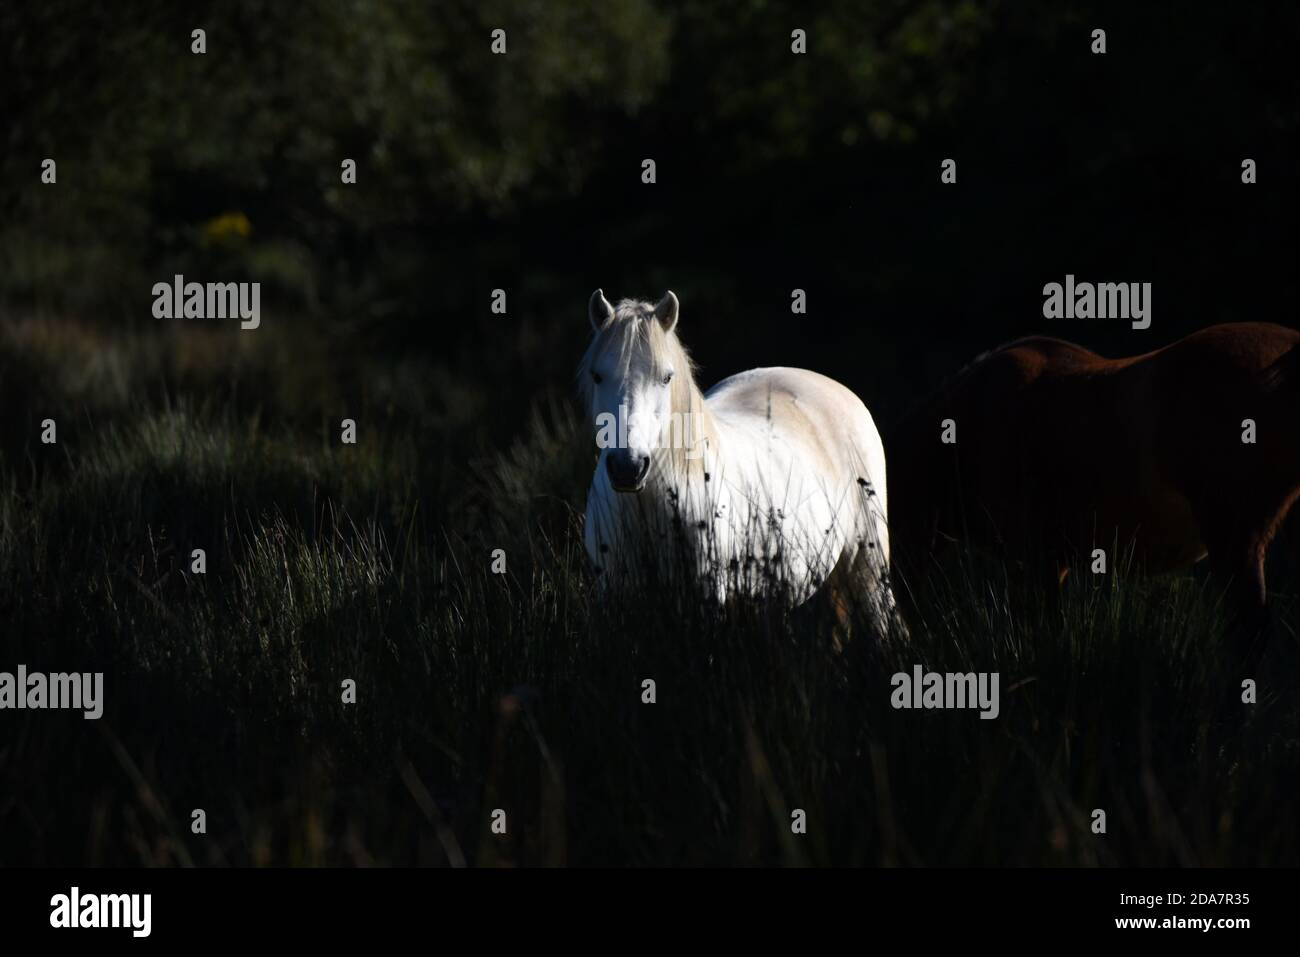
x=627 y=377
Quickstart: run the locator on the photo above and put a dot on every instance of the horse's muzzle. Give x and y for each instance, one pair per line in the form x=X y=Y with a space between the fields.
x=627 y=472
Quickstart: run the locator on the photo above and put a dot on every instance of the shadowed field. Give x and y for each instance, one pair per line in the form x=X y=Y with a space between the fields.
x=478 y=691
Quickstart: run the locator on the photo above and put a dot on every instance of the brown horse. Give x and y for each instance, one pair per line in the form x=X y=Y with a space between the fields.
x=1187 y=451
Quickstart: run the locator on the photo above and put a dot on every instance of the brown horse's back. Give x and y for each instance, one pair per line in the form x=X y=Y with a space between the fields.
x=1060 y=450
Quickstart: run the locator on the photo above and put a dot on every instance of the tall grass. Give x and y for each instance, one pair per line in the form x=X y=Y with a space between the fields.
x=523 y=691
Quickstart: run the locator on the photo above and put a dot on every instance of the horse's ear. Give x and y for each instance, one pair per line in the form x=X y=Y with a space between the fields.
x=666 y=311
x=599 y=311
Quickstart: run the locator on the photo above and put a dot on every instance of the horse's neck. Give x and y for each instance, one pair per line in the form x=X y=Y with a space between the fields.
x=685 y=459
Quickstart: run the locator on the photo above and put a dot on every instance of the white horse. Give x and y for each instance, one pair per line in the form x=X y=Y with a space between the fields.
x=772 y=477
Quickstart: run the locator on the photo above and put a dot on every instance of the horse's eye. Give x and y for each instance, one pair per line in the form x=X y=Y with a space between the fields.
x=595 y=377
x=668 y=378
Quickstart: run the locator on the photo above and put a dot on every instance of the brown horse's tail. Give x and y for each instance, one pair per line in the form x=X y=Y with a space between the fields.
x=1284 y=374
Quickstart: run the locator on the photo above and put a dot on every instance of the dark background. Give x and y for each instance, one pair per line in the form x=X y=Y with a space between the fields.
x=775 y=171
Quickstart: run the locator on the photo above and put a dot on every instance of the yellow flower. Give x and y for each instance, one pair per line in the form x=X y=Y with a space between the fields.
x=226 y=227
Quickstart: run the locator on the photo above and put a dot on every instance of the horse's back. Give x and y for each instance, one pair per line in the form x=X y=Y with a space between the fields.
x=1056 y=443
x=1224 y=339
x=746 y=390
x=1242 y=339
x=1246 y=348
x=810 y=444
x=1244 y=351
x=802 y=407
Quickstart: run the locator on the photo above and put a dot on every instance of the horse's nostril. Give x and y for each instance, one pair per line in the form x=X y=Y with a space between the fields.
x=627 y=470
